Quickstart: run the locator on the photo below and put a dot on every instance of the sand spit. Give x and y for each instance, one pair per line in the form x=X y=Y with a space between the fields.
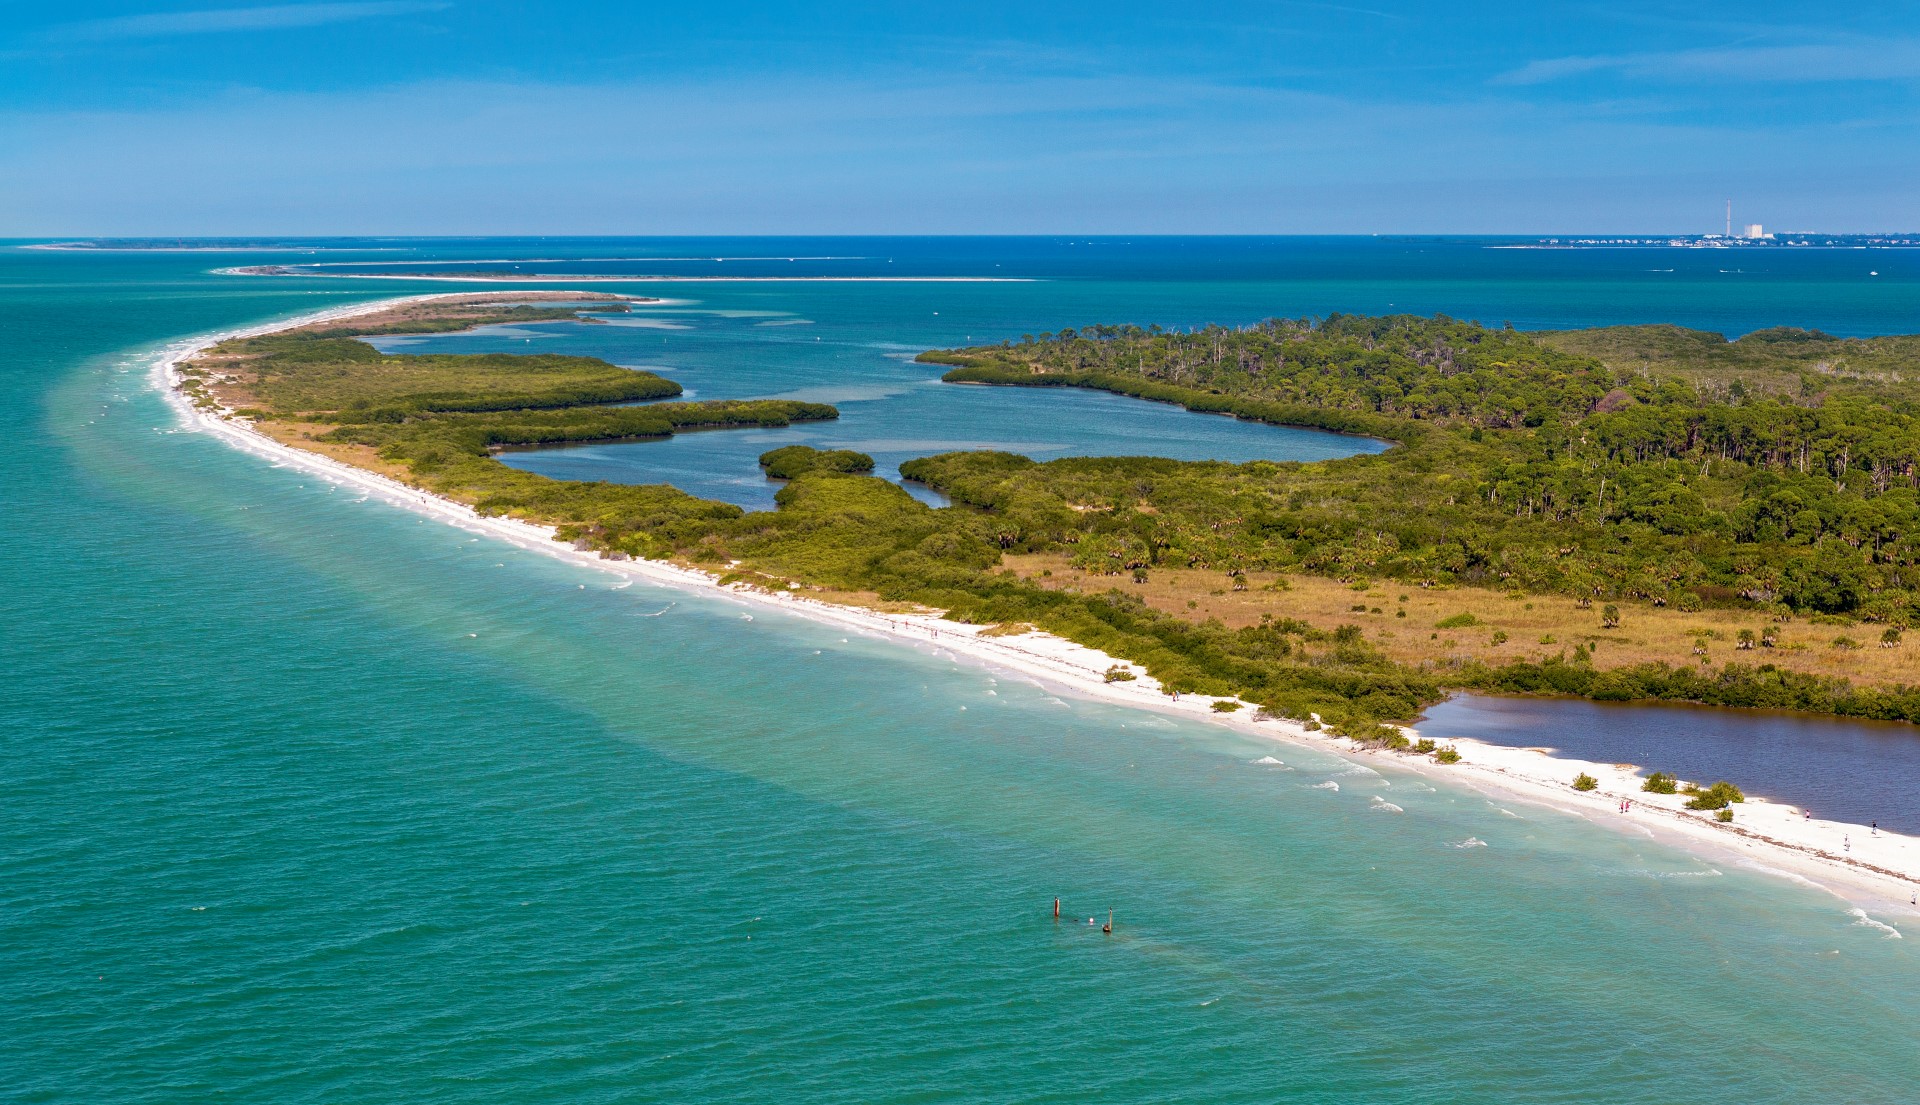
x=560 y=277
x=1878 y=871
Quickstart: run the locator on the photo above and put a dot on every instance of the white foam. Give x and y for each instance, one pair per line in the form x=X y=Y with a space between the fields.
x=1385 y=806
x=1860 y=918
x=1270 y=761
x=1328 y=785
x=1471 y=842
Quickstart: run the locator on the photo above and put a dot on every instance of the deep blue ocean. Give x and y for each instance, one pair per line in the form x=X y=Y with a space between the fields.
x=306 y=799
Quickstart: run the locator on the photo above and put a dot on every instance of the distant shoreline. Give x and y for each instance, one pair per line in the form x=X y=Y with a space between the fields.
x=550 y=278
x=1876 y=870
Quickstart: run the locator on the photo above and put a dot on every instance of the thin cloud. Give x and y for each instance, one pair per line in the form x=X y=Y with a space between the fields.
x=226 y=20
x=1896 y=59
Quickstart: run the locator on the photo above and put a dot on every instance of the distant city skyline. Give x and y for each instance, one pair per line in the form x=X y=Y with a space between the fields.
x=475 y=116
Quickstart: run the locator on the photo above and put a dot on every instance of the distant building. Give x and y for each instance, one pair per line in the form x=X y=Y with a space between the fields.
x=1755 y=230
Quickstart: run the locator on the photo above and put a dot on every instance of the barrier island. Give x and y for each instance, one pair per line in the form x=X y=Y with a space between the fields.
x=1624 y=513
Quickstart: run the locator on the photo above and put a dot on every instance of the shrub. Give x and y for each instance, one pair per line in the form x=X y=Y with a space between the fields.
x=1890 y=638
x=797 y=460
x=1225 y=706
x=1423 y=746
x=1499 y=637
x=1584 y=781
x=1610 y=616
x=1661 y=783
x=1119 y=673
x=1845 y=643
x=1723 y=815
x=1447 y=755
x=1716 y=797
x=1458 y=621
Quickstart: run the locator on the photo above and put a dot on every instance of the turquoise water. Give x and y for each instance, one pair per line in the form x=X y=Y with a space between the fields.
x=304 y=799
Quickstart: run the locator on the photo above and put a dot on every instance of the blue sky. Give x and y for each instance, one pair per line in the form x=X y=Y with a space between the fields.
x=475 y=116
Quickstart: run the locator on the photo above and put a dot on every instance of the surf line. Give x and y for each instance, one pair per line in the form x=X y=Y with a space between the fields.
x=1052 y=661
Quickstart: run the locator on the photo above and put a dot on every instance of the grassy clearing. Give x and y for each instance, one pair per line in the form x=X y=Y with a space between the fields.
x=1510 y=626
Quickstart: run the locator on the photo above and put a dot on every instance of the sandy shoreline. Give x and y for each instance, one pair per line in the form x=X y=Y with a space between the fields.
x=1875 y=871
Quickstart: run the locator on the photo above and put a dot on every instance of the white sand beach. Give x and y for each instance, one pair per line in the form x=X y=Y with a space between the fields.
x=1875 y=871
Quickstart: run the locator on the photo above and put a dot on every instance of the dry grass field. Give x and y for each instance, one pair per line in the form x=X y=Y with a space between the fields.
x=1403 y=621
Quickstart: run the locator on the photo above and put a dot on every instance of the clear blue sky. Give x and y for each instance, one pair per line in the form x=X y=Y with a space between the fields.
x=480 y=116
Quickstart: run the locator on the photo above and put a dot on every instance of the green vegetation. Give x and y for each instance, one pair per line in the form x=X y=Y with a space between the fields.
x=1447 y=755
x=1584 y=781
x=442 y=416
x=1225 y=706
x=1661 y=783
x=1522 y=464
x=795 y=460
x=1519 y=466
x=1784 y=363
x=343 y=380
x=1723 y=816
x=1716 y=797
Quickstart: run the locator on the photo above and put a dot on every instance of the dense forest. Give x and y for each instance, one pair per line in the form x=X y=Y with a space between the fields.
x=1535 y=468
x=1577 y=465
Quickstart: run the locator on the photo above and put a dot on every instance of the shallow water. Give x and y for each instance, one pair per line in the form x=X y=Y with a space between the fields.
x=305 y=799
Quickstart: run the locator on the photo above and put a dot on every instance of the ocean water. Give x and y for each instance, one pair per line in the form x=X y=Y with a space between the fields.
x=306 y=799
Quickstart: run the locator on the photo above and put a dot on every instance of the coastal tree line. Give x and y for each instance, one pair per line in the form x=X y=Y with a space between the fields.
x=1516 y=465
